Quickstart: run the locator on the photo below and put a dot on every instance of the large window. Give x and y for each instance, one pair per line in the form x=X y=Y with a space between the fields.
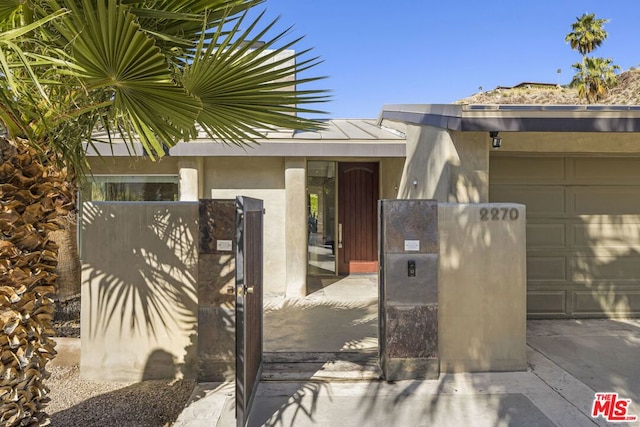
x=321 y=212
x=132 y=188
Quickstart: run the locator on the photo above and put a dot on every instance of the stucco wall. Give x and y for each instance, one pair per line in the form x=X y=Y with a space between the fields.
x=446 y=166
x=261 y=178
x=390 y=177
x=139 y=290
x=482 y=287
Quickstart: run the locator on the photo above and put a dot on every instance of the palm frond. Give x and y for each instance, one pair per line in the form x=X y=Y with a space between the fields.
x=8 y=9
x=111 y=53
x=245 y=85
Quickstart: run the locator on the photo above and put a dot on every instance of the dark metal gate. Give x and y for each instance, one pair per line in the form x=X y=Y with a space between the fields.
x=249 y=236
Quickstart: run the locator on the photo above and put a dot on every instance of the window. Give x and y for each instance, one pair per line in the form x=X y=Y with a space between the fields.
x=321 y=213
x=132 y=188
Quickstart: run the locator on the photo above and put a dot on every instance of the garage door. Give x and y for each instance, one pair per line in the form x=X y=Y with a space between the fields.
x=583 y=232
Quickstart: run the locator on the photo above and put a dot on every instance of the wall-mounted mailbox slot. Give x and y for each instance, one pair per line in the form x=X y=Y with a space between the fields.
x=411 y=268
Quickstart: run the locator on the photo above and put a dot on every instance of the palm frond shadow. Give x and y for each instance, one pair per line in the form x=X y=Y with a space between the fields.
x=304 y=400
x=320 y=325
x=146 y=272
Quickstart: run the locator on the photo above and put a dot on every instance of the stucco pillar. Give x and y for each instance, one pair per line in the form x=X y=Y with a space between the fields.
x=296 y=228
x=190 y=175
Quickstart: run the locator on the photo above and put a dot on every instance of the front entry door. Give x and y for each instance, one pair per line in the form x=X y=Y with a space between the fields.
x=357 y=220
x=249 y=232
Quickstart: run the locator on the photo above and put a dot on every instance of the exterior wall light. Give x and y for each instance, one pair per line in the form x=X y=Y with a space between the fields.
x=496 y=141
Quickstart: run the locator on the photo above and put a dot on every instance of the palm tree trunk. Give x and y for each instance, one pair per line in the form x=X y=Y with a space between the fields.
x=69 y=268
x=33 y=194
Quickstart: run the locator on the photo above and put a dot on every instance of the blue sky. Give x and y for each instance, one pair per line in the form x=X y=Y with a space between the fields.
x=380 y=52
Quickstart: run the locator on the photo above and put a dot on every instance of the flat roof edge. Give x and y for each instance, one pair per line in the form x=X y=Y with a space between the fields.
x=271 y=149
x=518 y=118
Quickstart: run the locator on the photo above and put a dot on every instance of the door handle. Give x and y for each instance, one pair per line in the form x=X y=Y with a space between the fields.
x=244 y=290
x=339 y=236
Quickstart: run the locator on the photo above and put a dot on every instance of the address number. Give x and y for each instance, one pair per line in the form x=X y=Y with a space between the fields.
x=499 y=214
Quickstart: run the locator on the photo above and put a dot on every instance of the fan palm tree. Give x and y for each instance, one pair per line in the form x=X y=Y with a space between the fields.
x=587 y=33
x=154 y=72
x=594 y=77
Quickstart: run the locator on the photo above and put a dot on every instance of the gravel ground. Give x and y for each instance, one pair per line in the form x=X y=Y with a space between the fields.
x=79 y=402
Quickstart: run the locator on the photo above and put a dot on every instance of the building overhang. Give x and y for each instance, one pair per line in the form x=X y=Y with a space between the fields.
x=337 y=138
x=263 y=149
x=517 y=118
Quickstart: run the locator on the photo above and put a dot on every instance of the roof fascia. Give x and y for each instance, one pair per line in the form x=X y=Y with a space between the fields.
x=518 y=118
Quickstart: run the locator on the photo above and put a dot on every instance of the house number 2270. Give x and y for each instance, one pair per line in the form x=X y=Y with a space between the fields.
x=499 y=214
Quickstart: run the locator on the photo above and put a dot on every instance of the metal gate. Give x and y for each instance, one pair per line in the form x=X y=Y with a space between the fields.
x=249 y=236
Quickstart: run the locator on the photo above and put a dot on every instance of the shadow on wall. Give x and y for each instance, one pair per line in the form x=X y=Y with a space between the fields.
x=606 y=267
x=445 y=166
x=482 y=287
x=139 y=288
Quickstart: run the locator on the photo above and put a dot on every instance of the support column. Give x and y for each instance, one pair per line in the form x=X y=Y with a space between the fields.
x=296 y=228
x=190 y=175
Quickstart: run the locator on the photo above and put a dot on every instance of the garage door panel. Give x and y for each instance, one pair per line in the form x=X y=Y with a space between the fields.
x=594 y=269
x=583 y=232
x=604 y=200
x=539 y=200
x=618 y=302
x=605 y=170
x=521 y=169
x=546 y=302
x=546 y=268
x=550 y=236
x=599 y=234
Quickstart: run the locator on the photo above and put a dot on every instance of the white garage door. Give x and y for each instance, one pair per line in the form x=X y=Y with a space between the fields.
x=583 y=232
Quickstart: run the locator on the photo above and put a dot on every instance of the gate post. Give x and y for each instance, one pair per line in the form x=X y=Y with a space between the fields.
x=216 y=290
x=408 y=281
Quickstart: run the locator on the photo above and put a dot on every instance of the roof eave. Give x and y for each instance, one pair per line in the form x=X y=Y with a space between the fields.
x=518 y=118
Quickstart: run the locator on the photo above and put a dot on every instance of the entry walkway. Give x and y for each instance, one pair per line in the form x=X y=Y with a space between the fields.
x=339 y=314
x=569 y=361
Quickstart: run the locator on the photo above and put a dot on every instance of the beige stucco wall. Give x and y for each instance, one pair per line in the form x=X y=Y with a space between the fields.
x=139 y=290
x=261 y=178
x=390 y=177
x=482 y=287
x=296 y=232
x=445 y=165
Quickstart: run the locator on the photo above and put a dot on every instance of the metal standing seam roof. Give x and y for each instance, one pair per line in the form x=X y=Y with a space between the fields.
x=347 y=129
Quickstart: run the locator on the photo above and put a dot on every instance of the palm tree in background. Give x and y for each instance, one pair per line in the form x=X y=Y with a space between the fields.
x=587 y=33
x=594 y=75
x=154 y=72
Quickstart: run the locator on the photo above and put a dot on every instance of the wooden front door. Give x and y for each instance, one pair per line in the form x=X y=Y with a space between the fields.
x=357 y=220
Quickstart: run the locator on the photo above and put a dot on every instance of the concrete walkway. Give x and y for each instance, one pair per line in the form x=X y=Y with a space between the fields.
x=569 y=361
